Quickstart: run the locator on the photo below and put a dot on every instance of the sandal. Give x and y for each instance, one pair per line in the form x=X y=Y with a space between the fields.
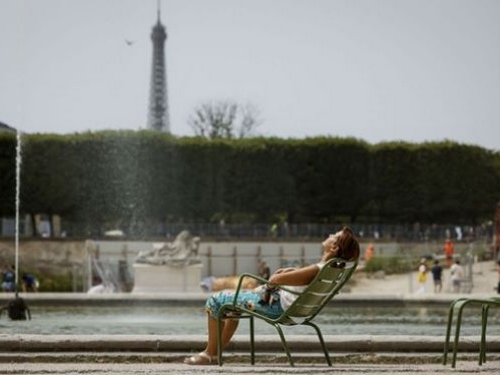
x=201 y=359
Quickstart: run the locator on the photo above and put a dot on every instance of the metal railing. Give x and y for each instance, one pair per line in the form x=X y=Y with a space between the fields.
x=416 y=232
x=291 y=231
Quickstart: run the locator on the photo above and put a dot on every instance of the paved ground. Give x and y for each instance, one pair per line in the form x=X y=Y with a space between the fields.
x=484 y=279
x=242 y=369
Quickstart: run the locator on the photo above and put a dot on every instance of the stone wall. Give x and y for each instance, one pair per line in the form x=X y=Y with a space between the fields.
x=219 y=258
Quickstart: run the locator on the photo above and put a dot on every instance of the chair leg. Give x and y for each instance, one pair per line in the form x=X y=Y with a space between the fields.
x=252 y=341
x=447 y=336
x=457 y=334
x=322 y=342
x=219 y=340
x=448 y=330
x=484 y=324
x=285 y=345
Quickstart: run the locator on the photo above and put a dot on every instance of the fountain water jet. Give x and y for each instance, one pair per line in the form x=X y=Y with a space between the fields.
x=17 y=308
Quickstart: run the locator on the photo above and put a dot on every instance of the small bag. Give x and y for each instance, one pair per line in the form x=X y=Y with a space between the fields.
x=269 y=295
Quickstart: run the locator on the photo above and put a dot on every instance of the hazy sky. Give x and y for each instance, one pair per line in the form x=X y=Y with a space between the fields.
x=378 y=70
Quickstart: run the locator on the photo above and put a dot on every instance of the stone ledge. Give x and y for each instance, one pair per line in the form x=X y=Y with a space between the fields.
x=240 y=343
x=198 y=299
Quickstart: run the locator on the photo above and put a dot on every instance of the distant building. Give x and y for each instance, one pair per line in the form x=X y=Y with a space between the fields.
x=6 y=128
x=158 y=116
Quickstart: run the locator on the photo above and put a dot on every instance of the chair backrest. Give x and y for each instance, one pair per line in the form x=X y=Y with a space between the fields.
x=327 y=283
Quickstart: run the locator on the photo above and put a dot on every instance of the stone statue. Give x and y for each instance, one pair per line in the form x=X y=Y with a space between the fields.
x=180 y=253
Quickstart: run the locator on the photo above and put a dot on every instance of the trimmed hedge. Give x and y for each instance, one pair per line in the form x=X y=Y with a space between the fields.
x=106 y=180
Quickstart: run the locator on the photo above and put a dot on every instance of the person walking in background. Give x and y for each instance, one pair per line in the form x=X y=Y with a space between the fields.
x=29 y=283
x=498 y=270
x=449 y=250
x=457 y=275
x=273 y=230
x=437 y=274
x=370 y=249
x=8 y=279
x=422 y=275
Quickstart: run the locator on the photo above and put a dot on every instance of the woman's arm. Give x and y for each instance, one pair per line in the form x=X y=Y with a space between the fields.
x=281 y=270
x=295 y=277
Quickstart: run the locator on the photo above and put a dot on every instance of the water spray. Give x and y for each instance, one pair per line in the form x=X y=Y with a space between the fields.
x=17 y=308
x=18 y=193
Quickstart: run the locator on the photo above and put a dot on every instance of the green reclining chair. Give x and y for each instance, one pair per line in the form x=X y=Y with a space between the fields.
x=327 y=283
x=457 y=306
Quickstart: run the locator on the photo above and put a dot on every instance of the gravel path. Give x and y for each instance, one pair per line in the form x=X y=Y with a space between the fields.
x=484 y=278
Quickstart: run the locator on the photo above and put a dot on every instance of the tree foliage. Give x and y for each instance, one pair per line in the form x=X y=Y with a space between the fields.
x=224 y=119
x=7 y=173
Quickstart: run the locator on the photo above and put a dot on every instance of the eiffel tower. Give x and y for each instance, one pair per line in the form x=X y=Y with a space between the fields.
x=158 y=116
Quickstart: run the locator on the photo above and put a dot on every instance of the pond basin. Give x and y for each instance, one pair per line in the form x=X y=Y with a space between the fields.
x=81 y=314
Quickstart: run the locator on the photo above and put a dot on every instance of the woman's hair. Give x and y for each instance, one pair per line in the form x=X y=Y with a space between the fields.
x=348 y=245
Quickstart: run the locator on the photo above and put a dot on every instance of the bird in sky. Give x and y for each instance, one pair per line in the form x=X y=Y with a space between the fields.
x=129 y=42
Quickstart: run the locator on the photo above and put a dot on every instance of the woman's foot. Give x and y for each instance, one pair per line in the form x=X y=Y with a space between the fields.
x=201 y=359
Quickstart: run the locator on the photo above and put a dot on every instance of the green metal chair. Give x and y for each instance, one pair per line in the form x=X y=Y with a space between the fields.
x=327 y=283
x=456 y=308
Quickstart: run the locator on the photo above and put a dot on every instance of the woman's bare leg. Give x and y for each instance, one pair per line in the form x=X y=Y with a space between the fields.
x=228 y=328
